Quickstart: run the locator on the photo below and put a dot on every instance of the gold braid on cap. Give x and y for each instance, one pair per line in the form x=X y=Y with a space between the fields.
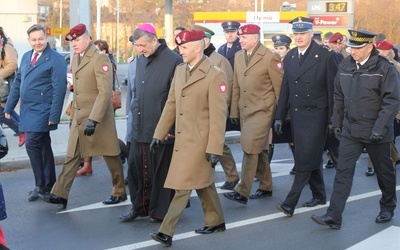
x=362 y=39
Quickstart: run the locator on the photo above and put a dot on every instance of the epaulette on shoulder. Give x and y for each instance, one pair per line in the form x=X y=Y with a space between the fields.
x=216 y=67
x=326 y=47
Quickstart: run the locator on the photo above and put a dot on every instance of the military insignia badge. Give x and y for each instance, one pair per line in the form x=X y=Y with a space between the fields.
x=222 y=87
x=105 y=68
x=279 y=65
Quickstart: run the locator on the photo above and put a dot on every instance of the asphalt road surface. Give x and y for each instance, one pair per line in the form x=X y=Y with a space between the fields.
x=87 y=224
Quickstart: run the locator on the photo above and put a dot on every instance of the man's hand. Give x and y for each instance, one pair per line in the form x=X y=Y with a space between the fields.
x=7 y=115
x=214 y=159
x=154 y=144
x=90 y=126
x=329 y=129
x=234 y=121
x=278 y=127
x=337 y=132
x=375 y=137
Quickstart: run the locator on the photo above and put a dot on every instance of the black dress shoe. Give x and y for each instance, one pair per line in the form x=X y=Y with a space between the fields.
x=229 y=185
x=155 y=220
x=209 y=230
x=314 y=202
x=131 y=216
x=293 y=171
x=285 y=209
x=115 y=199
x=54 y=199
x=260 y=194
x=327 y=220
x=384 y=216
x=162 y=238
x=329 y=164
x=370 y=172
x=235 y=196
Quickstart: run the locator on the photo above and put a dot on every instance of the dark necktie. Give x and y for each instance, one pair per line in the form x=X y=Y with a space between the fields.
x=300 y=58
x=227 y=50
x=34 y=59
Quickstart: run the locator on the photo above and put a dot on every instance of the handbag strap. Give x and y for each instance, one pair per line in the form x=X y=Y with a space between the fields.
x=116 y=76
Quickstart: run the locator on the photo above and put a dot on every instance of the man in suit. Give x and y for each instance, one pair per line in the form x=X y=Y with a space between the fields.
x=256 y=86
x=93 y=129
x=227 y=161
x=40 y=87
x=307 y=90
x=197 y=106
x=367 y=99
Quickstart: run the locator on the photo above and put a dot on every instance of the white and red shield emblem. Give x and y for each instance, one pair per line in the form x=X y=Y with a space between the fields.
x=105 y=68
x=279 y=65
x=222 y=87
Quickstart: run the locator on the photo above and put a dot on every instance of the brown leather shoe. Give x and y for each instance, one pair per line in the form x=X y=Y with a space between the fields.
x=21 y=141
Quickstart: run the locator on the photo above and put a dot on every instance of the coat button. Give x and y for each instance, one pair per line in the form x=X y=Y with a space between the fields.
x=308 y=96
x=179 y=132
x=295 y=109
x=308 y=109
x=79 y=123
x=181 y=113
x=142 y=81
x=296 y=95
x=245 y=106
x=295 y=81
x=183 y=95
x=176 y=150
x=244 y=91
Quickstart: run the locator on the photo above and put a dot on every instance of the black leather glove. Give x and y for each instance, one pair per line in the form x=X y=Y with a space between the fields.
x=375 y=137
x=278 y=127
x=234 y=121
x=337 y=132
x=214 y=159
x=90 y=126
x=154 y=144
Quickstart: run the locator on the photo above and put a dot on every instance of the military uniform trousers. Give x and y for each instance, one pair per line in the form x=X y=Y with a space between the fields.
x=63 y=185
x=349 y=152
x=213 y=214
x=228 y=164
x=255 y=165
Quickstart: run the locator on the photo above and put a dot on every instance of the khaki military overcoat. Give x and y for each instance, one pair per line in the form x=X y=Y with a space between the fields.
x=198 y=107
x=255 y=93
x=92 y=100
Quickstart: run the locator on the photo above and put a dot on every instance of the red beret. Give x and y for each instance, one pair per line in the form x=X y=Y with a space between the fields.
x=75 y=32
x=189 y=36
x=249 y=29
x=336 y=38
x=384 y=45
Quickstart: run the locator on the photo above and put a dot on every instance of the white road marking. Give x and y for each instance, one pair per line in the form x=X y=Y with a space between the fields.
x=263 y=219
x=387 y=239
x=278 y=169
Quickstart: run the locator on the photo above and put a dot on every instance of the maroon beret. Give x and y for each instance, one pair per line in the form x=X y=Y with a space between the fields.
x=384 y=45
x=75 y=32
x=336 y=38
x=249 y=29
x=189 y=36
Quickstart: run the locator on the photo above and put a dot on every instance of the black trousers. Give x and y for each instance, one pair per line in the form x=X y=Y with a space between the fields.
x=349 y=152
x=316 y=181
x=38 y=148
x=147 y=172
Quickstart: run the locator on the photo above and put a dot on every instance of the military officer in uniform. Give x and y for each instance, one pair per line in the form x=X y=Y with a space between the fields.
x=367 y=99
x=93 y=129
x=307 y=90
x=227 y=161
x=232 y=44
x=197 y=106
x=256 y=86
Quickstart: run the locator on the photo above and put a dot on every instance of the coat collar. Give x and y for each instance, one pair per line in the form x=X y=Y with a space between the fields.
x=44 y=57
x=90 y=51
x=200 y=72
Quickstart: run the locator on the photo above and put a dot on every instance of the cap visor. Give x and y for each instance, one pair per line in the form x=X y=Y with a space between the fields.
x=356 y=45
